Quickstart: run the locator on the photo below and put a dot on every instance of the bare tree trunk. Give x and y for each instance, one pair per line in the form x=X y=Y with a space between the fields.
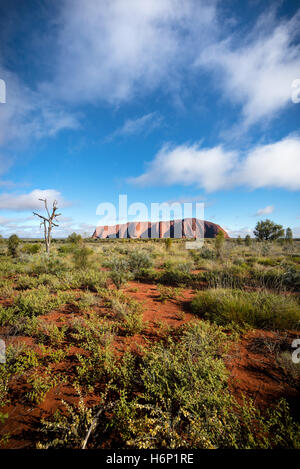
x=48 y=223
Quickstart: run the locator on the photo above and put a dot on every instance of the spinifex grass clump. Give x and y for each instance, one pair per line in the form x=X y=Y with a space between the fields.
x=257 y=309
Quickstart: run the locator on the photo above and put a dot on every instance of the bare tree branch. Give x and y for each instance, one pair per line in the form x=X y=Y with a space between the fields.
x=48 y=223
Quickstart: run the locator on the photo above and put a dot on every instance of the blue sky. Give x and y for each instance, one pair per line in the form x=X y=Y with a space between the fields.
x=169 y=100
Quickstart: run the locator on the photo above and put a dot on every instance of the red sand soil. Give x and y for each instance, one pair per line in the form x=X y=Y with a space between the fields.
x=253 y=372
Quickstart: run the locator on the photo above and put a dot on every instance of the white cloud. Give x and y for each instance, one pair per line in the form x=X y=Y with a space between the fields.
x=265 y=211
x=296 y=232
x=274 y=165
x=235 y=232
x=30 y=227
x=30 y=201
x=144 y=124
x=189 y=165
x=114 y=50
x=29 y=115
x=257 y=71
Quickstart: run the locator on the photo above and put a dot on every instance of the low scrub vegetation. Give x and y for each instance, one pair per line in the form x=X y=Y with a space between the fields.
x=256 y=309
x=138 y=339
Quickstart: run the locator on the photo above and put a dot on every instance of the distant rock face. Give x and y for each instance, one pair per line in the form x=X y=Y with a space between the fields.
x=186 y=228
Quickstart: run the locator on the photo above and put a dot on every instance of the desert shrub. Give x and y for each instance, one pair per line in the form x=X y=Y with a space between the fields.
x=175 y=395
x=147 y=275
x=219 y=243
x=257 y=309
x=175 y=277
x=67 y=248
x=69 y=428
x=91 y=279
x=48 y=332
x=20 y=359
x=119 y=272
x=31 y=248
x=42 y=383
x=86 y=301
x=97 y=366
x=11 y=266
x=184 y=267
x=207 y=253
x=129 y=314
x=26 y=282
x=51 y=281
x=248 y=240
x=6 y=289
x=7 y=315
x=168 y=293
x=81 y=257
x=138 y=261
x=240 y=262
x=48 y=264
x=38 y=301
x=168 y=243
x=94 y=329
x=13 y=245
x=187 y=403
x=291 y=279
x=74 y=238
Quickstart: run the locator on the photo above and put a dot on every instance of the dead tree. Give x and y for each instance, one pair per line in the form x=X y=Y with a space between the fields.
x=49 y=222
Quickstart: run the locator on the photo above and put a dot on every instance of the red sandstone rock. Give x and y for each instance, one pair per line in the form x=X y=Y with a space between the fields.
x=187 y=228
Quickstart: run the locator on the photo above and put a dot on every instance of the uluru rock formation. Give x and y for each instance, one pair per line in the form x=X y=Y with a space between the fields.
x=185 y=228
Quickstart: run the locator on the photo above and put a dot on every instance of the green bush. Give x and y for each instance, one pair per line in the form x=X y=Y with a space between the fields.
x=38 y=301
x=31 y=248
x=168 y=243
x=81 y=256
x=13 y=245
x=207 y=253
x=168 y=293
x=119 y=272
x=257 y=309
x=175 y=277
x=129 y=314
x=26 y=282
x=74 y=238
x=67 y=248
x=174 y=395
x=91 y=279
x=138 y=261
x=48 y=264
x=219 y=242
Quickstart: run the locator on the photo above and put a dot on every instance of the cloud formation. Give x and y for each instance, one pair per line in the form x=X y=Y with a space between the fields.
x=30 y=201
x=265 y=211
x=144 y=124
x=275 y=165
x=28 y=114
x=257 y=71
x=115 y=50
x=189 y=165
